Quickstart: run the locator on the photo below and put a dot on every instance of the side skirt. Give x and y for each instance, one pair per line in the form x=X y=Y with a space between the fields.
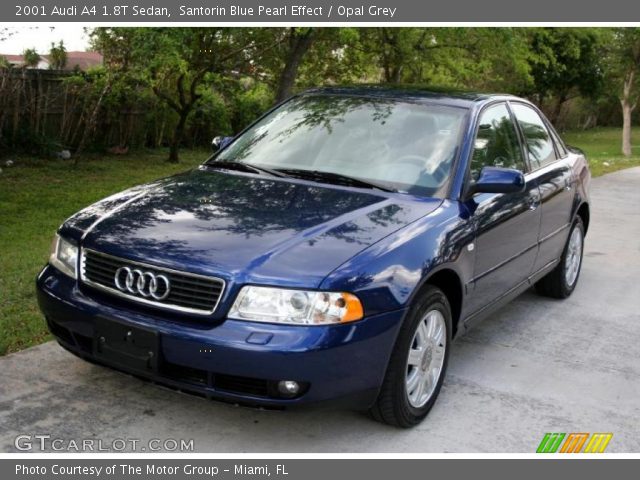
x=501 y=301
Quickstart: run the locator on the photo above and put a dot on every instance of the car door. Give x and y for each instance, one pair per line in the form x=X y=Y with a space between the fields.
x=506 y=225
x=551 y=171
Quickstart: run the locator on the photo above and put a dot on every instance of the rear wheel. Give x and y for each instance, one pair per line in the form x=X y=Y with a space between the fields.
x=562 y=280
x=418 y=363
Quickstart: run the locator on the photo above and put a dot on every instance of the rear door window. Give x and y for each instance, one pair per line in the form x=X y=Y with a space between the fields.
x=536 y=135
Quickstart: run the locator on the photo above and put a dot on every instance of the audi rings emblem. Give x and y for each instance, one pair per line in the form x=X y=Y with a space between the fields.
x=143 y=283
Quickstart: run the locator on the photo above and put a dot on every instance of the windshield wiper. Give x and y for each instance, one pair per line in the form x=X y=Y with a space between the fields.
x=243 y=167
x=336 y=178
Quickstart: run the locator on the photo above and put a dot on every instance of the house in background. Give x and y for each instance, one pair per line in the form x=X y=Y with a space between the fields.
x=18 y=61
x=80 y=60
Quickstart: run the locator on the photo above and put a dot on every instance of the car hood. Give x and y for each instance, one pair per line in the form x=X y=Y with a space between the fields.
x=244 y=227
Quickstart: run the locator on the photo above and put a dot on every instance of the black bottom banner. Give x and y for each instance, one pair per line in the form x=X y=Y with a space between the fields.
x=315 y=468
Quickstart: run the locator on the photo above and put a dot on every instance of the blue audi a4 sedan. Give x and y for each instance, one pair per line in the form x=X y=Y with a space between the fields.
x=330 y=252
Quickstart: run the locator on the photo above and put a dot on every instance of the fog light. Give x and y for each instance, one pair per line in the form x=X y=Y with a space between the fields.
x=288 y=388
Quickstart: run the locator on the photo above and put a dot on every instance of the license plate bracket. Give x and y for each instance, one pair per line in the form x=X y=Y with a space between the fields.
x=133 y=348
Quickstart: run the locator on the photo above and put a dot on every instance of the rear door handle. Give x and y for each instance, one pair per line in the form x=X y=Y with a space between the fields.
x=532 y=203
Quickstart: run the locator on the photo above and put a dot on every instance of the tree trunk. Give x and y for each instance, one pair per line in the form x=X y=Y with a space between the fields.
x=397 y=74
x=393 y=60
x=183 y=107
x=160 y=133
x=92 y=121
x=299 y=45
x=392 y=70
x=178 y=134
x=557 y=110
x=627 y=109
x=626 y=128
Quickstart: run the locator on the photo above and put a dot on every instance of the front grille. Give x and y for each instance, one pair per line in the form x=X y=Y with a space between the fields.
x=188 y=292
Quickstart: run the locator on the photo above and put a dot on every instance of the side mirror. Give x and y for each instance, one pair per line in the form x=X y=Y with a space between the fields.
x=498 y=180
x=218 y=143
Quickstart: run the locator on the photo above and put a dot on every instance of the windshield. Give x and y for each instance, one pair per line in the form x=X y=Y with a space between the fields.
x=404 y=146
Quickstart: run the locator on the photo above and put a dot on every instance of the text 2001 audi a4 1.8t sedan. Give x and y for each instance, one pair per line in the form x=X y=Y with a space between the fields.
x=331 y=251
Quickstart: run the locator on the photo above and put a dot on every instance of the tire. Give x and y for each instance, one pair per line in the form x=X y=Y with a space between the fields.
x=397 y=403
x=562 y=280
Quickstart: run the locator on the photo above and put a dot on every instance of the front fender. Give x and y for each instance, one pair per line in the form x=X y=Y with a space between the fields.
x=386 y=275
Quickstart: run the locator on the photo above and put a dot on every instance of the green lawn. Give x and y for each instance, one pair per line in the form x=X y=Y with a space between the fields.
x=37 y=195
x=603 y=148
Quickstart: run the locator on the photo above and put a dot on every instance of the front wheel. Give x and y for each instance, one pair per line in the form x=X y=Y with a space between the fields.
x=562 y=280
x=418 y=363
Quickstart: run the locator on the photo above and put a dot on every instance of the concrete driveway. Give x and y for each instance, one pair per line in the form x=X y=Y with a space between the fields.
x=537 y=366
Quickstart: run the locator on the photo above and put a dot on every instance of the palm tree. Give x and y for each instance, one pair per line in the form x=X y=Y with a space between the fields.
x=31 y=58
x=57 y=56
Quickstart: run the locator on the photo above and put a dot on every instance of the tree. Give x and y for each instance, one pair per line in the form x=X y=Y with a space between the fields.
x=566 y=63
x=31 y=58
x=624 y=69
x=176 y=64
x=450 y=57
x=298 y=42
x=397 y=48
x=306 y=56
x=336 y=57
x=57 y=56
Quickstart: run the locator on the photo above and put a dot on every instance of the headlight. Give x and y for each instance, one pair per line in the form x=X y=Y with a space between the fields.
x=64 y=256
x=277 y=305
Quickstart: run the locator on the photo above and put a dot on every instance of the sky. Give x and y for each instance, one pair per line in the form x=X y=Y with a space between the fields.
x=41 y=36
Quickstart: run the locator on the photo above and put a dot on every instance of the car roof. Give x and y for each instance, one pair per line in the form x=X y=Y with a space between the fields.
x=443 y=96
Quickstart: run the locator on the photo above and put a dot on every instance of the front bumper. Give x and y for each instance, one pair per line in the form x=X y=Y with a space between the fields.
x=235 y=361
